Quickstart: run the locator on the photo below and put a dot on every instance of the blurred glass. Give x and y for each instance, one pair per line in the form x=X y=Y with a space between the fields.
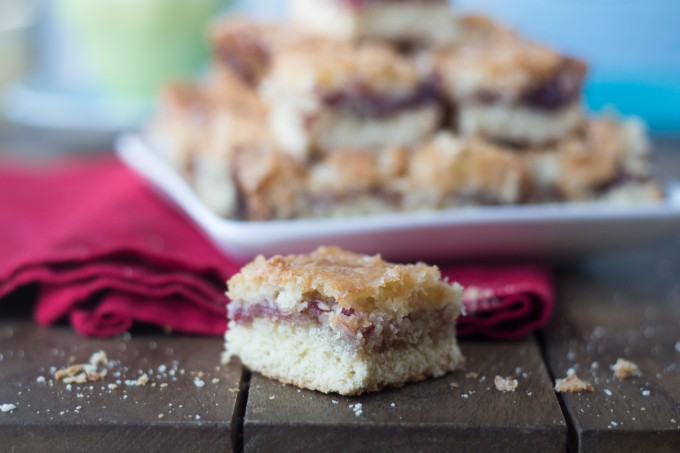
x=133 y=46
x=98 y=65
x=17 y=18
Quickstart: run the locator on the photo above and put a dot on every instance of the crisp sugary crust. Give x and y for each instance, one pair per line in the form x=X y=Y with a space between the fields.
x=248 y=48
x=309 y=61
x=351 y=280
x=349 y=171
x=582 y=163
x=377 y=69
x=270 y=183
x=466 y=168
x=492 y=60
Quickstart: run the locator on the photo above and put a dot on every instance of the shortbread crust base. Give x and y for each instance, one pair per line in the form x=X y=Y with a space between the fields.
x=313 y=357
x=518 y=124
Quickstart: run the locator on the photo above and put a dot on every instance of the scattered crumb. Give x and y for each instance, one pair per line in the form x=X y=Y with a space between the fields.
x=197 y=373
x=624 y=368
x=572 y=384
x=198 y=382
x=677 y=346
x=82 y=373
x=594 y=366
x=465 y=395
x=272 y=397
x=40 y=379
x=505 y=384
x=334 y=402
x=646 y=392
x=198 y=417
x=233 y=390
x=454 y=385
x=140 y=381
x=99 y=358
x=472 y=375
x=163 y=385
x=393 y=405
x=608 y=392
x=571 y=371
x=112 y=386
x=161 y=415
x=7 y=407
x=215 y=380
x=357 y=408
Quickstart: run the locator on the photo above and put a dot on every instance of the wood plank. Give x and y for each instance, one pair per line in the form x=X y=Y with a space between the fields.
x=429 y=416
x=632 y=311
x=179 y=416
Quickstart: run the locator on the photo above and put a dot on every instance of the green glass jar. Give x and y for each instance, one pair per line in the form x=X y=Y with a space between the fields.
x=134 y=46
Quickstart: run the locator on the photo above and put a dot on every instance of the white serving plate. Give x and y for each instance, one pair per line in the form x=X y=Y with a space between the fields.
x=550 y=232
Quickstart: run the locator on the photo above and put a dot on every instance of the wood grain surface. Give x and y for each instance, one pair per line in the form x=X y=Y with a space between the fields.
x=453 y=413
x=634 y=314
x=620 y=305
x=170 y=413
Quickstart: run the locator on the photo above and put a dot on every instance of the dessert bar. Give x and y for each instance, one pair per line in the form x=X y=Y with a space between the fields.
x=507 y=88
x=336 y=321
x=325 y=94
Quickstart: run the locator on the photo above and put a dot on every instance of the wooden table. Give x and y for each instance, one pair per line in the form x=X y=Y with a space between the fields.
x=622 y=305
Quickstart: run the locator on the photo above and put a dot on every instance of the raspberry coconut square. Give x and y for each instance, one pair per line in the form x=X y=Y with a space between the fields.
x=341 y=322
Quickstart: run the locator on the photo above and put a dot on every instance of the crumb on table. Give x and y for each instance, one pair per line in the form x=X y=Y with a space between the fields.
x=505 y=384
x=572 y=384
x=624 y=368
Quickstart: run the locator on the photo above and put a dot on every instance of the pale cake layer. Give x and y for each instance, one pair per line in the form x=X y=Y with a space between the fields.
x=312 y=357
x=346 y=280
x=300 y=130
x=518 y=124
x=411 y=22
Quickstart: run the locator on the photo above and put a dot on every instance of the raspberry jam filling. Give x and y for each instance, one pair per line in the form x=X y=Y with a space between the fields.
x=375 y=330
x=363 y=103
x=556 y=92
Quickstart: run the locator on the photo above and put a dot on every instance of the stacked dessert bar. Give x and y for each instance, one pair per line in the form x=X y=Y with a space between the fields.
x=358 y=107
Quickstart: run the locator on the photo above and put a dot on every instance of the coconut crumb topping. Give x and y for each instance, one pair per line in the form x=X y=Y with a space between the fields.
x=505 y=384
x=572 y=384
x=82 y=373
x=624 y=369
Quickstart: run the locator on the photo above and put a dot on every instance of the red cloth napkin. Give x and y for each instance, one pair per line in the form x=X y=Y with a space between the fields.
x=106 y=252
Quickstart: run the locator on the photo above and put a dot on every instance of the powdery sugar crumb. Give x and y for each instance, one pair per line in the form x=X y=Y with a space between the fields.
x=7 y=407
x=624 y=368
x=505 y=384
x=572 y=384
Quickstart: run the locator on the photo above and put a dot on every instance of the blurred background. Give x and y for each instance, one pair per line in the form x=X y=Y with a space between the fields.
x=95 y=66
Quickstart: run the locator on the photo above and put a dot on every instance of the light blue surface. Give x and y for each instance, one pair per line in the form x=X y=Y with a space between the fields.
x=632 y=46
